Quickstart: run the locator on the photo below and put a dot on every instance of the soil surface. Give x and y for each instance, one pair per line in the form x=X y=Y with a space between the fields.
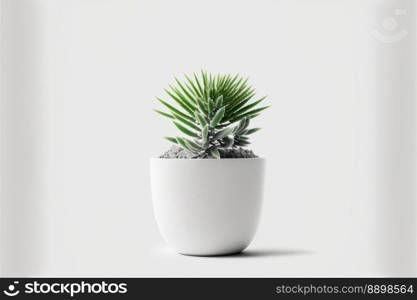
x=178 y=152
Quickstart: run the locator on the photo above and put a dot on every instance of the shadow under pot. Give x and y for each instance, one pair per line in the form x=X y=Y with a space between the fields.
x=207 y=207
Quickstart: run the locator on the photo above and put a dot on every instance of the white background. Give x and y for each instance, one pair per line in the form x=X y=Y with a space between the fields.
x=101 y=65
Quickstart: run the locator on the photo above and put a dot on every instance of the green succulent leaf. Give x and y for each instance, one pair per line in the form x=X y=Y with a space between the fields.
x=247 y=107
x=219 y=101
x=233 y=109
x=197 y=81
x=183 y=144
x=183 y=98
x=248 y=114
x=185 y=130
x=223 y=133
x=174 y=110
x=201 y=120
x=187 y=91
x=186 y=122
x=171 y=139
x=243 y=124
x=218 y=117
x=214 y=153
x=164 y=114
x=243 y=143
x=181 y=102
x=202 y=107
x=227 y=142
x=243 y=138
x=204 y=76
x=204 y=134
x=214 y=111
x=250 y=131
x=210 y=105
x=192 y=145
x=193 y=87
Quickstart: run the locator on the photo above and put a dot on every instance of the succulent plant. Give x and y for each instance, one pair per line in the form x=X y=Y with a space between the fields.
x=213 y=112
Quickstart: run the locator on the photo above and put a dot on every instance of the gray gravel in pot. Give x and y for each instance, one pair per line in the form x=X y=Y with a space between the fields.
x=180 y=153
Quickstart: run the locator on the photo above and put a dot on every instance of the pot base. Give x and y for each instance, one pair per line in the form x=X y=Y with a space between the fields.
x=214 y=254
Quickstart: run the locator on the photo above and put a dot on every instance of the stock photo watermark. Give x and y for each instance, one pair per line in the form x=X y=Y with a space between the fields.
x=59 y=288
x=391 y=31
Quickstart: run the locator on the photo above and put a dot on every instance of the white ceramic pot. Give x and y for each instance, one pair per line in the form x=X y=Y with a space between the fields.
x=207 y=207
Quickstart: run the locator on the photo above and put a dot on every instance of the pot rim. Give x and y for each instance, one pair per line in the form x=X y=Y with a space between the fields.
x=207 y=159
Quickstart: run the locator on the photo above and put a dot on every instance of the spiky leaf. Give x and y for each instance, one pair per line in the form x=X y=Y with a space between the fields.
x=186 y=122
x=183 y=144
x=202 y=107
x=174 y=110
x=171 y=139
x=227 y=142
x=223 y=133
x=243 y=124
x=214 y=153
x=191 y=145
x=187 y=91
x=204 y=134
x=248 y=114
x=164 y=114
x=205 y=106
x=252 y=130
x=219 y=101
x=210 y=105
x=185 y=130
x=201 y=120
x=217 y=117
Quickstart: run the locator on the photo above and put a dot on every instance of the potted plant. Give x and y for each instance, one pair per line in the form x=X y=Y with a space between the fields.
x=207 y=189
